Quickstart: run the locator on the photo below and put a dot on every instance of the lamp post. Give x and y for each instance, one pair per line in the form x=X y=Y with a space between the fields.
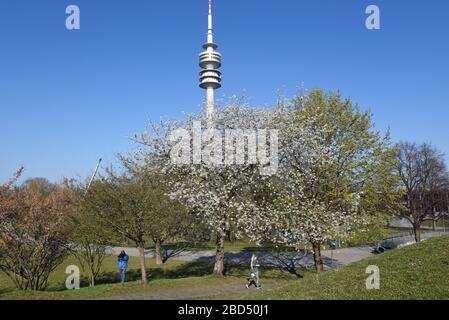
x=93 y=175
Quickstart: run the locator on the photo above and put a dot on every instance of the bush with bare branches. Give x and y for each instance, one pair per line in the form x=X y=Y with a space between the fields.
x=33 y=236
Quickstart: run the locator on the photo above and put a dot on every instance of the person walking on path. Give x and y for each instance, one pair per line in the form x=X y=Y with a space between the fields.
x=254 y=277
x=123 y=265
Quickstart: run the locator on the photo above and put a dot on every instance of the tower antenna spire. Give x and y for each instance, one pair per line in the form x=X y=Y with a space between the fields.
x=210 y=63
x=210 y=34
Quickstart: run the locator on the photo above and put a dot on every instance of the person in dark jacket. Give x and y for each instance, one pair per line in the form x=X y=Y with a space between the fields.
x=123 y=265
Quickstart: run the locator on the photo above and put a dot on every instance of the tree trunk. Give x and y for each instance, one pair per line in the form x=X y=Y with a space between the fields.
x=142 y=263
x=92 y=282
x=434 y=224
x=417 y=231
x=317 y=257
x=232 y=236
x=219 y=257
x=91 y=277
x=158 y=252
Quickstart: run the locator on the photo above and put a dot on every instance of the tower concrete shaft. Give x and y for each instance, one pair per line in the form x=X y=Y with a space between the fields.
x=210 y=62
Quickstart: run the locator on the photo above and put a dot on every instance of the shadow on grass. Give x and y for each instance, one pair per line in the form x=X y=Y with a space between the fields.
x=276 y=265
x=5 y=291
x=188 y=270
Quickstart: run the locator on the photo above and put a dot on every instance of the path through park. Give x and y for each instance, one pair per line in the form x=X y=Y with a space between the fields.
x=332 y=259
x=192 y=294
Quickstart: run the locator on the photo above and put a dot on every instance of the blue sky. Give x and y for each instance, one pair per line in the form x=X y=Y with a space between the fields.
x=70 y=97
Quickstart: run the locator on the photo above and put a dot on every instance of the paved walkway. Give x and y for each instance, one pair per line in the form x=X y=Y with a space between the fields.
x=332 y=259
x=294 y=259
x=405 y=224
x=191 y=294
x=399 y=242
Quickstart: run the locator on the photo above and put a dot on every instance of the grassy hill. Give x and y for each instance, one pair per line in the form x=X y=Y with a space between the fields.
x=419 y=271
x=172 y=277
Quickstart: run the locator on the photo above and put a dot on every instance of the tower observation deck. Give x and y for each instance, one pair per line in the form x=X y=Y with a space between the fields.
x=210 y=62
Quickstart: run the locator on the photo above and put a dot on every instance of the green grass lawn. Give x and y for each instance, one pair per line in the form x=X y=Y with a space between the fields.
x=440 y=223
x=230 y=246
x=237 y=246
x=174 y=275
x=419 y=271
x=245 y=245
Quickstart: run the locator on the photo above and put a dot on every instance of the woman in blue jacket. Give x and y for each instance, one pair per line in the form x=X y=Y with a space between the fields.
x=123 y=265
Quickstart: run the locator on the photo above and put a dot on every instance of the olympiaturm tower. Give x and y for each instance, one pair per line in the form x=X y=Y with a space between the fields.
x=210 y=62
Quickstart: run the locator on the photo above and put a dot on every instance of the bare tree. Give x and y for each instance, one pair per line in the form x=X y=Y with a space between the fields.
x=134 y=204
x=33 y=234
x=440 y=204
x=89 y=235
x=423 y=173
x=39 y=183
x=118 y=201
x=5 y=191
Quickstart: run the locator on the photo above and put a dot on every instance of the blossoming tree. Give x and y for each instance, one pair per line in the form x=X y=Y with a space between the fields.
x=334 y=179
x=212 y=178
